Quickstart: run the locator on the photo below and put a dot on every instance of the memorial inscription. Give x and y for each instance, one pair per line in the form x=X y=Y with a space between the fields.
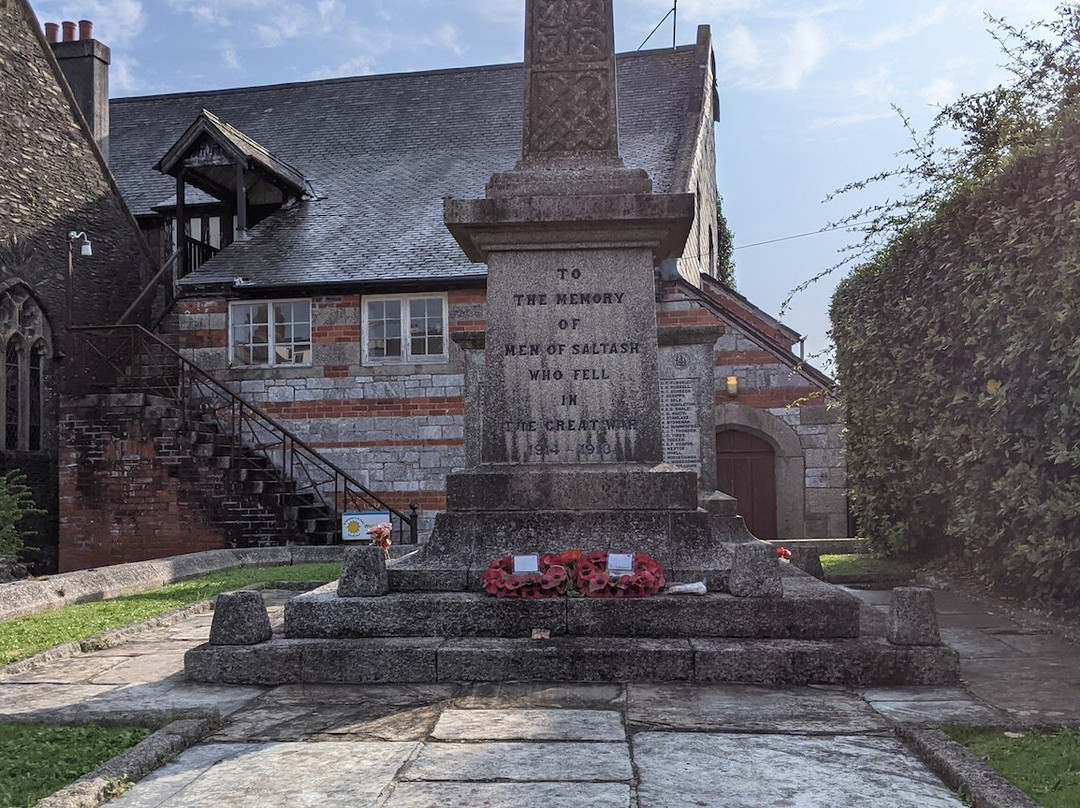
x=679 y=423
x=572 y=363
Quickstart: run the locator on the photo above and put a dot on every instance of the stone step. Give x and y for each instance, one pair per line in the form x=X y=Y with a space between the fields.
x=862 y=662
x=808 y=610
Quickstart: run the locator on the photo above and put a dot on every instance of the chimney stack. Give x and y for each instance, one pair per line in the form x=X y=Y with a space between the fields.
x=85 y=63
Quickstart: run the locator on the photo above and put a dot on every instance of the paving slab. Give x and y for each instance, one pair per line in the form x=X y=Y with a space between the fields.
x=530 y=725
x=34 y=699
x=399 y=694
x=972 y=643
x=73 y=670
x=144 y=668
x=932 y=705
x=751 y=771
x=492 y=695
x=746 y=708
x=509 y=795
x=166 y=695
x=277 y=775
x=522 y=762
x=374 y=722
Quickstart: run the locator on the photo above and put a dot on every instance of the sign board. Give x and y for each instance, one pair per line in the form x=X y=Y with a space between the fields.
x=526 y=564
x=355 y=524
x=620 y=564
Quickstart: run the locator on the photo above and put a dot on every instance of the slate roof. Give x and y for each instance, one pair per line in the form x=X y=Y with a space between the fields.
x=380 y=153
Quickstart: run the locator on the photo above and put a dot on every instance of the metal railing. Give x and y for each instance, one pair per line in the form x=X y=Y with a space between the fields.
x=129 y=358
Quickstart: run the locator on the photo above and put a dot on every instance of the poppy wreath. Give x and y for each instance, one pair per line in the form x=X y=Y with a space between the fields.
x=593 y=581
x=550 y=582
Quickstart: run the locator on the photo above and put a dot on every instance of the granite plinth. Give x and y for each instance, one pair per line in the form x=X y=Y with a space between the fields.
x=692 y=545
x=663 y=488
x=811 y=610
x=854 y=662
x=659 y=222
x=859 y=662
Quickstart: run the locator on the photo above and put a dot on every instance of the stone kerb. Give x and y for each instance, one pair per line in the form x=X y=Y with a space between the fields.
x=25 y=598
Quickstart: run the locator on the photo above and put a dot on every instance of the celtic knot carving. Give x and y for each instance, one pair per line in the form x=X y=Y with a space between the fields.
x=569 y=30
x=571 y=113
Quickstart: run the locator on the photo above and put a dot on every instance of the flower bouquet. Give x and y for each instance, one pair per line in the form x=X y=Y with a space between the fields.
x=380 y=536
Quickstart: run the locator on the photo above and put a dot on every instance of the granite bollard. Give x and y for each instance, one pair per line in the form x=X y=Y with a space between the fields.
x=240 y=619
x=755 y=572
x=363 y=573
x=912 y=617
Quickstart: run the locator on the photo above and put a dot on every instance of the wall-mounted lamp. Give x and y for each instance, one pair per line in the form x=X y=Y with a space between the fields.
x=85 y=250
x=732 y=385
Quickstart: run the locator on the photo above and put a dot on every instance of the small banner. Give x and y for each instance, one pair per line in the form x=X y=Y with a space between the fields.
x=355 y=524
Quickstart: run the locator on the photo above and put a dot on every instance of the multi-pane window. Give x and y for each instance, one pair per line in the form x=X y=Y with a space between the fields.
x=12 y=390
x=405 y=329
x=270 y=332
x=36 y=387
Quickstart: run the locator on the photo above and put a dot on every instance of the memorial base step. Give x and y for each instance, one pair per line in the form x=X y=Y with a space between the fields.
x=860 y=662
x=809 y=609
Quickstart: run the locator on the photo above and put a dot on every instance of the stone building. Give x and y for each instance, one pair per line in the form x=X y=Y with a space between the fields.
x=53 y=182
x=314 y=277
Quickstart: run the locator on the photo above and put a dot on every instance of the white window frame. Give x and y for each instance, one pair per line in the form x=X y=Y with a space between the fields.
x=272 y=357
x=406 y=357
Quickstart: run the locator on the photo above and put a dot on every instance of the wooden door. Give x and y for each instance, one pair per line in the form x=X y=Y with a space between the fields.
x=746 y=470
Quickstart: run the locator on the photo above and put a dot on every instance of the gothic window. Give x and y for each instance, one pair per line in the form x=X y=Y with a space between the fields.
x=12 y=390
x=36 y=387
x=24 y=335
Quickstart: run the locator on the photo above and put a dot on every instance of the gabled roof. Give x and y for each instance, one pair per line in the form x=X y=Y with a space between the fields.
x=238 y=147
x=382 y=151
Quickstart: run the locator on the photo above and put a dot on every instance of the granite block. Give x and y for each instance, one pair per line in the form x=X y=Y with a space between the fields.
x=240 y=618
x=565 y=659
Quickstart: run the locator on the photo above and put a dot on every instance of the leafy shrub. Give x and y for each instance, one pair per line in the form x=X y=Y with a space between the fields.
x=16 y=502
x=958 y=352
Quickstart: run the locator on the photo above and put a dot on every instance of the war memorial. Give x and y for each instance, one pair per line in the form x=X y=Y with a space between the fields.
x=565 y=474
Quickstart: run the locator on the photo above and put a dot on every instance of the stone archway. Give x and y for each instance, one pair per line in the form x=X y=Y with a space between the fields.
x=789 y=462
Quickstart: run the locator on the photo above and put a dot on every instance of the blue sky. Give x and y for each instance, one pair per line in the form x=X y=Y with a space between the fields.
x=806 y=86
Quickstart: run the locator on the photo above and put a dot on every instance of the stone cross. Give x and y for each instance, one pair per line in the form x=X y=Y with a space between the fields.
x=570 y=106
x=570 y=126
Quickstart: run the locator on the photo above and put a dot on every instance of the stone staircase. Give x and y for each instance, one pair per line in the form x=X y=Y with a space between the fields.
x=258 y=505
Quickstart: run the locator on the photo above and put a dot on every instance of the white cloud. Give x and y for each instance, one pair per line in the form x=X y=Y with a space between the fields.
x=852 y=119
x=228 y=54
x=739 y=50
x=806 y=47
x=897 y=33
x=450 y=38
x=125 y=77
x=358 y=66
x=939 y=92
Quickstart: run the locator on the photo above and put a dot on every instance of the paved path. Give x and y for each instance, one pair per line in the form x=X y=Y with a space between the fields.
x=653 y=745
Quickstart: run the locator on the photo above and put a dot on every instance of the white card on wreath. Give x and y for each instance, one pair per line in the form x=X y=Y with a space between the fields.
x=619 y=564
x=525 y=564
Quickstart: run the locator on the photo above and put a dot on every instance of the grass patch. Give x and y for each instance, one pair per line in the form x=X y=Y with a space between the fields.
x=36 y=759
x=26 y=636
x=863 y=565
x=1044 y=765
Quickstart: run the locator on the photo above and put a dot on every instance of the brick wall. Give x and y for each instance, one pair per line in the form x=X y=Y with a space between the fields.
x=397 y=429
x=52 y=181
x=131 y=490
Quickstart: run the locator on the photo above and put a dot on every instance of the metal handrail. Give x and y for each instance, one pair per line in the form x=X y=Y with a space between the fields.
x=150 y=288
x=123 y=352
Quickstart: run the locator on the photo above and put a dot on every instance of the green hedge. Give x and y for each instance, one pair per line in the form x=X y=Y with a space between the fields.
x=958 y=354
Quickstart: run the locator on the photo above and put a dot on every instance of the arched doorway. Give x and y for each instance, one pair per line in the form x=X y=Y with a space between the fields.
x=746 y=470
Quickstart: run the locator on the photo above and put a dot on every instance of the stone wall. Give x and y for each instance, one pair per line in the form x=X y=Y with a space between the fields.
x=53 y=180
x=698 y=167
x=398 y=429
